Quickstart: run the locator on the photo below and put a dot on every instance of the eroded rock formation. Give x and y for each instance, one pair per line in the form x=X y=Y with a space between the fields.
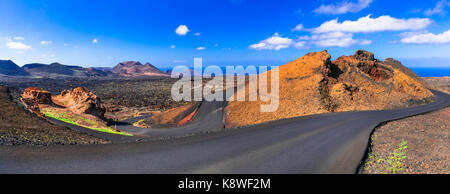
x=37 y=95
x=81 y=101
x=32 y=97
x=78 y=100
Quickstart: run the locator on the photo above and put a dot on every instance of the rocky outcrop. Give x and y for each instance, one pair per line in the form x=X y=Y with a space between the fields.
x=33 y=97
x=314 y=84
x=379 y=84
x=397 y=65
x=81 y=101
x=78 y=100
x=38 y=96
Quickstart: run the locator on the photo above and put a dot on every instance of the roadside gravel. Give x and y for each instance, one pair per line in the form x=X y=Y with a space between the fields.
x=427 y=139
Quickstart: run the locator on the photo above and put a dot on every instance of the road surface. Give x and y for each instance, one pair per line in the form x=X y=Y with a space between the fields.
x=326 y=143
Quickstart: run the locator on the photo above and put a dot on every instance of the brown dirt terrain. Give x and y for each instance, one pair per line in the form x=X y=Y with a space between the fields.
x=439 y=83
x=427 y=138
x=20 y=127
x=313 y=84
x=171 y=118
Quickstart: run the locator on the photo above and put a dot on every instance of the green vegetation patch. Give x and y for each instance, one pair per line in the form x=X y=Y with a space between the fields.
x=74 y=120
x=392 y=164
x=139 y=123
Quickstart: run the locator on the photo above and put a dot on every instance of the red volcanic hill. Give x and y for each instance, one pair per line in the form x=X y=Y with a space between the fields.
x=136 y=69
x=313 y=84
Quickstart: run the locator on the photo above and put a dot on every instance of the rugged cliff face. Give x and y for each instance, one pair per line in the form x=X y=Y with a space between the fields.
x=313 y=84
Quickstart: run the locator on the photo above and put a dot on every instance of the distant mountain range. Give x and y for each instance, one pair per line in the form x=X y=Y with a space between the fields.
x=7 y=67
x=57 y=69
x=124 y=69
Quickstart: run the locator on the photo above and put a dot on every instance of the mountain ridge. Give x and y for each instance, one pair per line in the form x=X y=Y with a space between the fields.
x=8 y=67
x=136 y=69
x=123 y=69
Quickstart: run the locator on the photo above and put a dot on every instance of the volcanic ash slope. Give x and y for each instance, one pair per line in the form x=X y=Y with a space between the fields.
x=313 y=84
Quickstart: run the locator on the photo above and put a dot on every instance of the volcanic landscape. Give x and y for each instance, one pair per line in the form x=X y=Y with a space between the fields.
x=48 y=105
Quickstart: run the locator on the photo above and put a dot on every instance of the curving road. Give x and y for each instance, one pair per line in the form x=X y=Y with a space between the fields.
x=327 y=143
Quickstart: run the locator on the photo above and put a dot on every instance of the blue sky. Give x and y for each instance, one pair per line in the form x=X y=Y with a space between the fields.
x=224 y=32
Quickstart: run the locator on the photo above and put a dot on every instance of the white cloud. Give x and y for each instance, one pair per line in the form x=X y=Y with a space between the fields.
x=94 y=41
x=303 y=37
x=276 y=42
x=299 y=44
x=216 y=45
x=299 y=27
x=201 y=48
x=45 y=55
x=339 y=39
x=367 y=24
x=427 y=38
x=18 y=46
x=182 y=30
x=409 y=34
x=18 y=38
x=46 y=42
x=416 y=10
x=173 y=46
x=197 y=34
x=438 y=8
x=343 y=7
x=365 y=42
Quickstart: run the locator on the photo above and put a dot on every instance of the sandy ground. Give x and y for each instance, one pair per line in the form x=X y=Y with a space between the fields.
x=426 y=139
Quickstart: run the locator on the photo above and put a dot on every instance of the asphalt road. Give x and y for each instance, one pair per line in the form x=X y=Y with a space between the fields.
x=327 y=143
x=208 y=119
